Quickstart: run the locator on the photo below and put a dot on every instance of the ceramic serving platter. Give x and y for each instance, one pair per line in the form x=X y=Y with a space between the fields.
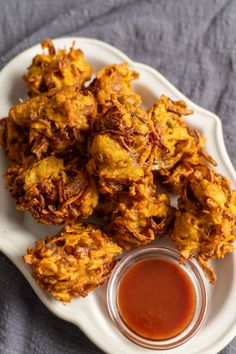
x=18 y=230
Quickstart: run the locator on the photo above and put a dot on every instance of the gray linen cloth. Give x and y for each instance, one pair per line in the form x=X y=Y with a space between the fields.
x=192 y=43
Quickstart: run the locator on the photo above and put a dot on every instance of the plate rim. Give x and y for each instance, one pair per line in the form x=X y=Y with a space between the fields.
x=223 y=341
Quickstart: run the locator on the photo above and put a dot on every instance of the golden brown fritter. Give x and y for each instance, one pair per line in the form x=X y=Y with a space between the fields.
x=55 y=121
x=115 y=80
x=74 y=262
x=205 y=225
x=183 y=148
x=121 y=147
x=53 y=191
x=56 y=69
x=140 y=214
x=74 y=151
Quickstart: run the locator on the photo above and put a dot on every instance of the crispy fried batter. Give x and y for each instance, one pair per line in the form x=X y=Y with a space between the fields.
x=53 y=69
x=115 y=80
x=65 y=145
x=140 y=214
x=183 y=148
x=55 y=121
x=205 y=225
x=121 y=147
x=74 y=262
x=54 y=193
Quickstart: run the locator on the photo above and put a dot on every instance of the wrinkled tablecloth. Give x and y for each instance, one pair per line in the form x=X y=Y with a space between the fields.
x=191 y=42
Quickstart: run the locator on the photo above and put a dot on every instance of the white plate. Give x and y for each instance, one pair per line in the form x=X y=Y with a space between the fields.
x=18 y=230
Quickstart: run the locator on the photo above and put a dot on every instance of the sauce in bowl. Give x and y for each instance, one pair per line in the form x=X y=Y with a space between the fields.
x=156 y=299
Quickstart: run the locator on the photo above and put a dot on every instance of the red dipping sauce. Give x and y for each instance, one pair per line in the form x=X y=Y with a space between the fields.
x=156 y=299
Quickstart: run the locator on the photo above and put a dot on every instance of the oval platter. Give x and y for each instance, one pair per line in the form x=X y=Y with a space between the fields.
x=18 y=230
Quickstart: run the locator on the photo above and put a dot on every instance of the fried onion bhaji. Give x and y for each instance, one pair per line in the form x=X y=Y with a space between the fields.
x=74 y=262
x=115 y=80
x=54 y=192
x=56 y=69
x=121 y=147
x=183 y=148
x=56 y=121
x=140 y=214
x=205 y=225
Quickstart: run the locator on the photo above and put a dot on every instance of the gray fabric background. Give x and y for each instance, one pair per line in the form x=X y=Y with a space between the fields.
x=193 y=43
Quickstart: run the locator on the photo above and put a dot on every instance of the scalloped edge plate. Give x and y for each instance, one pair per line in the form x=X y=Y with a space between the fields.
x=18 y=230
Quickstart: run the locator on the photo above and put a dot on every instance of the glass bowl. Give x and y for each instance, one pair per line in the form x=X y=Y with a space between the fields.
x=195 y=276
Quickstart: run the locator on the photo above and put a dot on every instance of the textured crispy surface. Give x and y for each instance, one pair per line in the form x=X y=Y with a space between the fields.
x=55 y=69
x=45 y=140
x=54 y=192
x=55 y=121
x=115 y=80
x=74 y=151
x=121 y=147
x=73 y=262
x=205 y=225
x=183 y=148
x=140 y=214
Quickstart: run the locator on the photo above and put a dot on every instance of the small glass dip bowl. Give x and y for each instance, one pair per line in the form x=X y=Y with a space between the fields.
x=195 y=277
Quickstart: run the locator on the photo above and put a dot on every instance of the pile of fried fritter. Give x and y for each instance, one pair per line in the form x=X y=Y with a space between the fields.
x=78 y=148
